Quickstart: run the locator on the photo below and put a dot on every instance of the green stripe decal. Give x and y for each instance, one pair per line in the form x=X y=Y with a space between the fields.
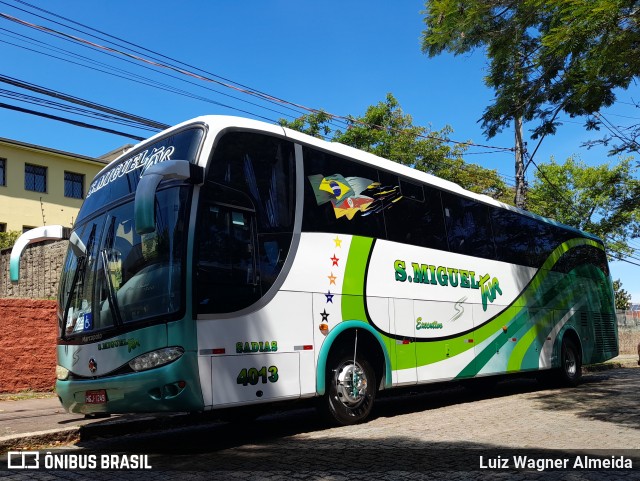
x=541 y=293
x=529 y=319
x=354 y=278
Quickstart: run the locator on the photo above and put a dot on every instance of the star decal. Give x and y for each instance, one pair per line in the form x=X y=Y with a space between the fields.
x=338 y=241
x=332 y=279
x=325 y=315
x=335 y=260
x=329 y=297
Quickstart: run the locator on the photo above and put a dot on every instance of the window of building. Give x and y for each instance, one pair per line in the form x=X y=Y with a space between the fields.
x=35 y=178
x=73 y=185
x=3 y=227
x=26 y=228
x=3 y=171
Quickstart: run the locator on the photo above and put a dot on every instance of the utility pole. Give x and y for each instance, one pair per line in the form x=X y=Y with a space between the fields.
x=519 y=200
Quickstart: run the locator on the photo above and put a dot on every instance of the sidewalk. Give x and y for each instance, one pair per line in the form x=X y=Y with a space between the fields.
x=31 y=423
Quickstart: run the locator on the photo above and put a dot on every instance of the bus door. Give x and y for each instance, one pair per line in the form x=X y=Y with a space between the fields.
x=228 y=281
x=227 y=278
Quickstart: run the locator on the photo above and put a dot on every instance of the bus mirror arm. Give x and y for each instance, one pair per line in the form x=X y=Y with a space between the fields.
x=144 y=207
x=77 y=246
x=47 y=232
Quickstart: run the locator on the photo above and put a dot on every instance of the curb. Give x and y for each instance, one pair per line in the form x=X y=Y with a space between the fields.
x=101 y=429
x=39 y=438
x=620 y=363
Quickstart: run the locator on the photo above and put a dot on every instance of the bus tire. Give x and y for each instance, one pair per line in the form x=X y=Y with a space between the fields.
x=343 y=402
x=570 y=372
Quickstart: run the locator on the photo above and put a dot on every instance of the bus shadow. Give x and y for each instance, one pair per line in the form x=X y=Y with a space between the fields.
x=610 y=396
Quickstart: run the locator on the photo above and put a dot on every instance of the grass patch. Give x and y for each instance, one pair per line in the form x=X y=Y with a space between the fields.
x=26 y=394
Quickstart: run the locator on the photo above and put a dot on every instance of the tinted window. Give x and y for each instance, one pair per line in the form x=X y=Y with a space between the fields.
x=263 y=167
x=226 y=271
x=245 y=220
x=524 y=240
x=468 y=227
x=122 y=178
x=344 y=196
x=418 y=219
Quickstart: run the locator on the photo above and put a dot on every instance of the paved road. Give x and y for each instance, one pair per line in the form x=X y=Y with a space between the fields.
x=427 y=435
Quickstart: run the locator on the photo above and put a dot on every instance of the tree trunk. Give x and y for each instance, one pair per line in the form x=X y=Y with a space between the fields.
x=520 y=198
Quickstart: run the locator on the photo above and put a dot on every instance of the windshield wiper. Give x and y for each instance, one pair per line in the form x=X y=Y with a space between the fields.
x=113 y=296
x=79 y=275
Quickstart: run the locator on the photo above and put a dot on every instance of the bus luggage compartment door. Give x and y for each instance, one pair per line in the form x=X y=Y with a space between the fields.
x=255 y=378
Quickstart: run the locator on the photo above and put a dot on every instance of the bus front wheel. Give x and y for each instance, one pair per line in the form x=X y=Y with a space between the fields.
x=351 y=390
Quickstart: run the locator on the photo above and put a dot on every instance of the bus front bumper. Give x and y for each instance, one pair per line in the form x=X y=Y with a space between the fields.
x=174 y=387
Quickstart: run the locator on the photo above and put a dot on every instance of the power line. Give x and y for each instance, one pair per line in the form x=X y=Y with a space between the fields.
x=615 y=131
x=69 y=121
x=141 y=79
x=86 y=103
x=30 y=99
x=225 y=83
x=148 y=83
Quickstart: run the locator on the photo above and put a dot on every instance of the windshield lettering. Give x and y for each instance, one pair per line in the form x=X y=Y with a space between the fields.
x=141 y=162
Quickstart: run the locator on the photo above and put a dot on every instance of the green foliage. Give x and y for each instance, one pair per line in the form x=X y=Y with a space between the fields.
x=597 y=199
x=622 y=297
x=545 y=56
x=385 y=130
x=7 y=239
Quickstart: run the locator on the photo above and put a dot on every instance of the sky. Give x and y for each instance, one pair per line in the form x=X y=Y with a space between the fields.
x=336 y=55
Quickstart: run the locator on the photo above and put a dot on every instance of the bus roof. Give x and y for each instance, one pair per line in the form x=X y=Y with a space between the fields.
x=219 y=123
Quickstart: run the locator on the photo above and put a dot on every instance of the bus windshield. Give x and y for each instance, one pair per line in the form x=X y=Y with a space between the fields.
x=113 y=276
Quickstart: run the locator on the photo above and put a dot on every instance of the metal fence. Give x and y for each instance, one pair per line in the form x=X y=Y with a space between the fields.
x=628 y=319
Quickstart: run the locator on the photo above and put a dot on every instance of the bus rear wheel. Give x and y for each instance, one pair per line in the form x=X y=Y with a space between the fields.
x=351 y=390
x=570 y=372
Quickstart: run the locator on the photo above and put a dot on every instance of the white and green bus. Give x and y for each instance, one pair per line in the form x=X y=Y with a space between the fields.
x=227 y=262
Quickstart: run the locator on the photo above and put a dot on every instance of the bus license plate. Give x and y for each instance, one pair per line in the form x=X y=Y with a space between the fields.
x=95 y=397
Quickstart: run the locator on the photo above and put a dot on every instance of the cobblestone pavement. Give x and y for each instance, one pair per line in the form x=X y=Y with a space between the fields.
x=448 y=433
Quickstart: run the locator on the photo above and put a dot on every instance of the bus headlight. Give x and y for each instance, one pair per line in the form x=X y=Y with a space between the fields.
x=62 y=373
x=156 y=358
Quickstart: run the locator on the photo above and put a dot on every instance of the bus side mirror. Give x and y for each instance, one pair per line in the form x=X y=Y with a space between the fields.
x=47 y=232
x=144 y=207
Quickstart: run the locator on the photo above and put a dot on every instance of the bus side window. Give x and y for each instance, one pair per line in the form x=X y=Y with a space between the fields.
x=417 y=219
x=227 y=279
x=468 y=226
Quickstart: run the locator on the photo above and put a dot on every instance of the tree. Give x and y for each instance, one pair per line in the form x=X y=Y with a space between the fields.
x=622 y=297
x=385 y=130
x=597 y=199
x=7 y=239
x=545 y=56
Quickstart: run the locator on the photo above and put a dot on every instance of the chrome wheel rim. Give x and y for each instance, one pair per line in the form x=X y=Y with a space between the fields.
x=570 y=362
x=351 y=384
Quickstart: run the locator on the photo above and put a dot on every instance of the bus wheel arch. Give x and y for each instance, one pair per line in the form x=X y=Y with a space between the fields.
x=570 y=355
x=348 y=381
